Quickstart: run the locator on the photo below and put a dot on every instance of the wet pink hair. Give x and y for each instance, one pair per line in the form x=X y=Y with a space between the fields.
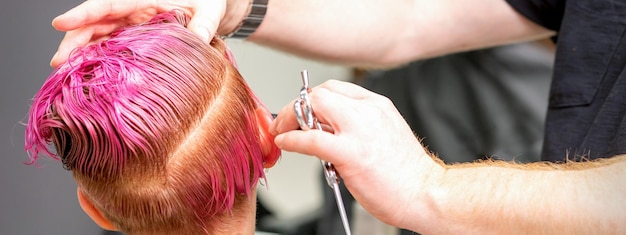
x=157 y=126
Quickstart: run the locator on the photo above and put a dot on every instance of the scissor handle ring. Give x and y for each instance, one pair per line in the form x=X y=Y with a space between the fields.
x=300 y=115
x=304 y=114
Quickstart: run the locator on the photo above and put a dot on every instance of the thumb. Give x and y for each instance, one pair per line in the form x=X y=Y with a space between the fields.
x=206 y=19
x=314 y=143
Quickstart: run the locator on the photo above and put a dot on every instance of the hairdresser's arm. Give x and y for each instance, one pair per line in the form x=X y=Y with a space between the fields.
x=391 y=175
x=362 y=32
x=382 y=33
x=577 y=198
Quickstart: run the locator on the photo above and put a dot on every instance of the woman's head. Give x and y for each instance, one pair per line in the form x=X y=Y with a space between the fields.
x=157 y=126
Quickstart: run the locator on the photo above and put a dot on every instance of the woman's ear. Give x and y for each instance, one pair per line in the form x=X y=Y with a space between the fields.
x=271 y=152
x=93 y=212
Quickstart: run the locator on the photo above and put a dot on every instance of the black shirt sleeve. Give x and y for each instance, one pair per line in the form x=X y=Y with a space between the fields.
x=547 y=13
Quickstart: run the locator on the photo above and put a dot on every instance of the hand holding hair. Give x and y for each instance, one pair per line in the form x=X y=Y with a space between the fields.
x=93 y=21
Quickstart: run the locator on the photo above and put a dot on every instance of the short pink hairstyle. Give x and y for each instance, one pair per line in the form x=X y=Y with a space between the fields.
x=156 y=125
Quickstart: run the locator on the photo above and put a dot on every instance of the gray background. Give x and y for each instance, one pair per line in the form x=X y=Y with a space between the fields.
x=32 y=200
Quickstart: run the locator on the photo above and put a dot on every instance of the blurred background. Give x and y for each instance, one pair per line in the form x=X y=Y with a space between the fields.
x=43 y=200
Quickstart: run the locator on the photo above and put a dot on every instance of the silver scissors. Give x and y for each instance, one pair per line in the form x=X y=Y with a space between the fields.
x=308 y=121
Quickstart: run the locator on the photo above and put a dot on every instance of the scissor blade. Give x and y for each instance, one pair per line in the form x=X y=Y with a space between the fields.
x=342 y=208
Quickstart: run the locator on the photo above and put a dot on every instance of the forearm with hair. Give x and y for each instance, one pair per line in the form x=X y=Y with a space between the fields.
x=381 y=33
x=539 y=198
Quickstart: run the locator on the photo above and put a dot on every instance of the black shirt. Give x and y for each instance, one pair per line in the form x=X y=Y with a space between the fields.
x=586 y=116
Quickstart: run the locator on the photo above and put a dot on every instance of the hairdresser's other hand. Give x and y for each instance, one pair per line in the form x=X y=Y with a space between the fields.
x=94 y=20
x=372 y=147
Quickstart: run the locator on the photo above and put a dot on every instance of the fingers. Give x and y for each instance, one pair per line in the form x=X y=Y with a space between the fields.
x=93 y=20
x=71 y=40
x=347 y=89
x=93 y=11
x=307 y=142
x=85 y=13
x=322 y=144
x=337 y=103
x=286 y=119
x=338 y=111
x=206 y=18
x=81 y=37
x=334 y=109
x=68 y=20
x=206 y=15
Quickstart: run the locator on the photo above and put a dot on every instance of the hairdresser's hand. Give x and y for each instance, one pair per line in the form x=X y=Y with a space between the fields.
x=94 y=20
x=377 y=155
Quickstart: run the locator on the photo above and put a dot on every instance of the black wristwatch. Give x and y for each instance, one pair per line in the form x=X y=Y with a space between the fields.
x=251 y=22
